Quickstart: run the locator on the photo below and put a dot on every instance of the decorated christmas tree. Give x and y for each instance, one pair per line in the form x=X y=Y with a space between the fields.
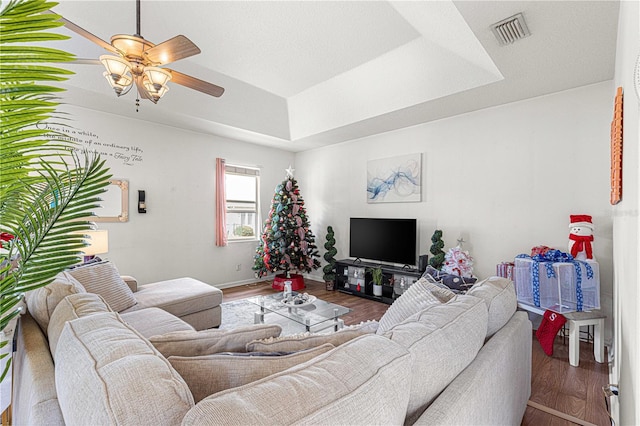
x=458 y=262
x=287 y=243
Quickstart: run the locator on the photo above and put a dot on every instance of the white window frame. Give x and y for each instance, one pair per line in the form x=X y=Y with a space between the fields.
x=232 y=169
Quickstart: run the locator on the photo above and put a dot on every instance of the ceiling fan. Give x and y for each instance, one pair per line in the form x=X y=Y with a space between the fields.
x=137 y=62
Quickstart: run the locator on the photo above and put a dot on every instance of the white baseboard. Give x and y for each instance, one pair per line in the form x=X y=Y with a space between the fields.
x=239 y=283
x=614 y=402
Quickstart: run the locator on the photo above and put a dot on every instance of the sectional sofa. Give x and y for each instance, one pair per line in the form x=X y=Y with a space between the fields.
x=433 y=358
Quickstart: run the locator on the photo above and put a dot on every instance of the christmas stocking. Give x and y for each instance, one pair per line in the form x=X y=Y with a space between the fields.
x=549 y=327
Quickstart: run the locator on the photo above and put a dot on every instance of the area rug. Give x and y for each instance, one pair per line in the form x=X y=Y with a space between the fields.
x=240 y=313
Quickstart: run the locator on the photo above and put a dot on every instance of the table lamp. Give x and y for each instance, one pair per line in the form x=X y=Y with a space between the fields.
x=98 y=241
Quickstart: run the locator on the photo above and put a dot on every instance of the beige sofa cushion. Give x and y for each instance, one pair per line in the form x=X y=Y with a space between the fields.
x=442 y=339
x=327 y=389
x=42 y=301
x=421 y=294
x=207 y=342
x=34 y=400
x=181 y=296
x=104 y=279
x=108 y=374
x=72 y=307
x=299 y=342
x=154 y=321
x=500 y=296
x=211 y=374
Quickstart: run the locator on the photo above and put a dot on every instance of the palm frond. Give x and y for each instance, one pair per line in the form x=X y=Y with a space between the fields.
x=46 y=191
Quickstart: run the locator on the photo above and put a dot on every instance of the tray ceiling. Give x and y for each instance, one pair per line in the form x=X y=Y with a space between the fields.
x=303 y=74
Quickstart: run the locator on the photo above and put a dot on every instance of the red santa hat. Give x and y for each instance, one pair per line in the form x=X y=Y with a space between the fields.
x=581 y=220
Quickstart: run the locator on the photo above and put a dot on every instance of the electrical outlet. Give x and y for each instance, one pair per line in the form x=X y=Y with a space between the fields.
x=238 y=266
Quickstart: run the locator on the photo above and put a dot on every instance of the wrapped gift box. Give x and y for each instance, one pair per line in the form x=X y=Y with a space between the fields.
x=558 y=293
x=505 y=270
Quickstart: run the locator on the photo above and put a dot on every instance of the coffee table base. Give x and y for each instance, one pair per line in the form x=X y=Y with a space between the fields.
x=336 y=323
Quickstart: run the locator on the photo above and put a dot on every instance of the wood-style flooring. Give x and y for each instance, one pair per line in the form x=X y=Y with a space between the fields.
x=576 y=391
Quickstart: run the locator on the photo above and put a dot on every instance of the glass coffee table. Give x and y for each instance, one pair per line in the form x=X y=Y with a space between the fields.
x=316 y=315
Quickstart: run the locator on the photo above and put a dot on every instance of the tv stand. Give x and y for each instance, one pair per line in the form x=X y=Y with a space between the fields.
x=353 y=276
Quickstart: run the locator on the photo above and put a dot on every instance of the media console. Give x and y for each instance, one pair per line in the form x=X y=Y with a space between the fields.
x=354 y=277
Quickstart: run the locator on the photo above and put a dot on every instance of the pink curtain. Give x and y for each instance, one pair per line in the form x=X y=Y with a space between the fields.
x=221 y=205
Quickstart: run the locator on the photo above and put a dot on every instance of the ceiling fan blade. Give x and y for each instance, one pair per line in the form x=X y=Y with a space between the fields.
x=86 y=34
x=178 y=47
x=85 y=61
x=195 y=83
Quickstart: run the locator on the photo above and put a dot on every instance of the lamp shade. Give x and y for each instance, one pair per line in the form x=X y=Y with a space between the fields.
x=122 y=85
x=116 y=66
x=157 y=76
x=155 y=94
x=98 y=241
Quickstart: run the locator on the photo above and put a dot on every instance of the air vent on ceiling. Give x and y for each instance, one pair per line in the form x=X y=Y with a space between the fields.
x=511 y=29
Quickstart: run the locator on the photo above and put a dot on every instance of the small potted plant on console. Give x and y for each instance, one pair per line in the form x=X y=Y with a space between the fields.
x=376 y=276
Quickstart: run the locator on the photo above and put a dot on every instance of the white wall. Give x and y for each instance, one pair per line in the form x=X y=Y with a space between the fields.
x=626 y=225
x=176 y=238
x=505 y=179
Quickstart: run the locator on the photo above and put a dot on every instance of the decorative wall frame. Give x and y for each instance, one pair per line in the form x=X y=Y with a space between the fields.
x=616 y=149
x=115 y=203
x=395 y=179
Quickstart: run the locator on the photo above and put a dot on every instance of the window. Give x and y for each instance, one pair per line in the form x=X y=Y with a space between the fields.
x=242 y=187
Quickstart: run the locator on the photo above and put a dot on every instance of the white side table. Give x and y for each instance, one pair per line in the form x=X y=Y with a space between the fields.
x=575 y=320
x=578 y=319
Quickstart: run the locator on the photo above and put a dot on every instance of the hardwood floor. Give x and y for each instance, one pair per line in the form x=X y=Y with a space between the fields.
x=576 y=391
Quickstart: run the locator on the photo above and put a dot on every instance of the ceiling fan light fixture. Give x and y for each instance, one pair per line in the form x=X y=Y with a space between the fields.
x=155 y=94
x=136 y=61
x=121 y=85
x=130 y=46
x=157 y=77
x=116 y=66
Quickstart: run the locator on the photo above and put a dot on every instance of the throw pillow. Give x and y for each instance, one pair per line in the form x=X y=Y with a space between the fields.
x=206 y=375
x=42 y=301
x=72 y=307
x=418 y=297
x=207 y=342
x=499 y=294
x=443 y=340
x=452 y=281
x=104 y=279
x=299 y=342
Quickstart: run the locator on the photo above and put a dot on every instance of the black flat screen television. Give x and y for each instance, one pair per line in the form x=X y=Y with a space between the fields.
x=384 y=240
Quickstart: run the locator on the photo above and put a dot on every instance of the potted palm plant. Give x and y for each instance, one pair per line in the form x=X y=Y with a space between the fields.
x=46 y=191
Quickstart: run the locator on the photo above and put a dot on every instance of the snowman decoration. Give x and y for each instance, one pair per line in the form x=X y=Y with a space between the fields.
x=581 y=237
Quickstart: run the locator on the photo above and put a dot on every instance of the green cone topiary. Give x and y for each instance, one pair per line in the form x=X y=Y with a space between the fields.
x=437 y=260
x=329 y=256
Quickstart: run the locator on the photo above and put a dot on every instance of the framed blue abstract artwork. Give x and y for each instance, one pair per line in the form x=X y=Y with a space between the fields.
x=394 y=179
